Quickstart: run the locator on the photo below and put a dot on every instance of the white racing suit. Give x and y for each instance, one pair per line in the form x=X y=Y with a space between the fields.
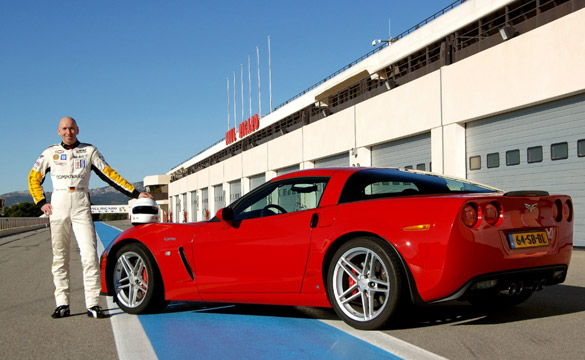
x=70 y=167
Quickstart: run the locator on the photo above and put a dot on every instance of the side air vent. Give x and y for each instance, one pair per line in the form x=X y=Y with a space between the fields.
x=186 y=263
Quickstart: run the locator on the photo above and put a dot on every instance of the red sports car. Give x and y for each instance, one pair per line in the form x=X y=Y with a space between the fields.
x=362 y=240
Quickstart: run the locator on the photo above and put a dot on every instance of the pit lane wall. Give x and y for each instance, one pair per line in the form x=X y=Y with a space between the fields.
x=16 y=225
x=540 y=66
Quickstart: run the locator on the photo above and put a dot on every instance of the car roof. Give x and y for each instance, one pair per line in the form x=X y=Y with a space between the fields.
x=318 y=172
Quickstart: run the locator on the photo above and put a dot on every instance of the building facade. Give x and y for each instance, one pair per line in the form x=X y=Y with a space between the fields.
x=492 y=91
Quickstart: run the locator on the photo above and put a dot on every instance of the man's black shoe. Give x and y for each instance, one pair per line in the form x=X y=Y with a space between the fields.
x=60 y=312
x=96 y=312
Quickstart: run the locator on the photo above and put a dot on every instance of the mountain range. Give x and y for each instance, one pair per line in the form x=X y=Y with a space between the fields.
x=106 y=195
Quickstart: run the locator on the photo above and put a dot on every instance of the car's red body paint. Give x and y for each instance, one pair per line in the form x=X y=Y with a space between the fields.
x=282 y=260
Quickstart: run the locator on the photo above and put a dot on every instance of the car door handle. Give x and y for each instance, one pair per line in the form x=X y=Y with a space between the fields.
x=314 y=220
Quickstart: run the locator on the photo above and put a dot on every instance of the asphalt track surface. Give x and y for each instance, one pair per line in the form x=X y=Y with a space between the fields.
x=551 y=324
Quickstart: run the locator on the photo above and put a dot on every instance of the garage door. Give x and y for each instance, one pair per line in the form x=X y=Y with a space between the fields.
x=287 y=170
x=333 y=161
x=257 y=180
x=540 y=148
x=218 y=202
x=411 y=153
x=235 y=190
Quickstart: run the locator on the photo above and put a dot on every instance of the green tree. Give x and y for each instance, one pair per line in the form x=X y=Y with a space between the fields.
x=24 y=209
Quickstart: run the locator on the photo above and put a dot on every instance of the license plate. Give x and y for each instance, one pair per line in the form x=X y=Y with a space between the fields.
x=528 y=239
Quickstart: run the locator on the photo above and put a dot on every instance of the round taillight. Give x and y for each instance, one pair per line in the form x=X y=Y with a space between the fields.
x=568 y=210
x=469 y=215
x=492 y=213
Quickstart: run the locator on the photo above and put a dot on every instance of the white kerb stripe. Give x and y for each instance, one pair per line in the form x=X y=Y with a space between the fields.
x=386 y=342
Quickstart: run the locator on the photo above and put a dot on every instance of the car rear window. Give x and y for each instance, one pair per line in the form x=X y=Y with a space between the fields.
x=381 y=183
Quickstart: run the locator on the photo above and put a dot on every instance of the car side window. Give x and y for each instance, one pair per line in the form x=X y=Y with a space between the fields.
x=281 y=198
x=390 y=187
x=369 y=184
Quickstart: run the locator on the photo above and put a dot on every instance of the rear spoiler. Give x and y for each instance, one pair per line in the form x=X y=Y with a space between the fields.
x=522 y=193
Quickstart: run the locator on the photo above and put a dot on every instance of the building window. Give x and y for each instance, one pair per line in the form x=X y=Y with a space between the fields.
x=581 y=148
x=493 y=160
x=534 y=154
x=420 y=167
x=408 y=167
x=475 y=162
x=559 y=151
x=512 y=157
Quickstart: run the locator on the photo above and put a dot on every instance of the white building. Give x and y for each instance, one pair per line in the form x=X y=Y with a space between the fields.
x=491 y=90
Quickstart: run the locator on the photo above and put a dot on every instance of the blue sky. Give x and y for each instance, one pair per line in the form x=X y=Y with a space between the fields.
x=146 y=80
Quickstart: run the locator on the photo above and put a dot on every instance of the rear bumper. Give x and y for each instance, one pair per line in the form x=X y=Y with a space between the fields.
x=531 y=278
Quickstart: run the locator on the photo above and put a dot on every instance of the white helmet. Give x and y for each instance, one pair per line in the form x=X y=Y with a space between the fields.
x=144 y=211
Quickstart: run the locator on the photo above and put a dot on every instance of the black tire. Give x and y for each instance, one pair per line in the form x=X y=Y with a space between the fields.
x=350 y=281
x=137 y=281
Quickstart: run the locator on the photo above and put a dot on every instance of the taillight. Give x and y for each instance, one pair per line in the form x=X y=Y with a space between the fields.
x=558 y=211
x=469 y=215
x=493 y=212
x=568 y=210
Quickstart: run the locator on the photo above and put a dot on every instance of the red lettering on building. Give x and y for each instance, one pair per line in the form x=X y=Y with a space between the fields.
x=246 y=128
x=230 y=136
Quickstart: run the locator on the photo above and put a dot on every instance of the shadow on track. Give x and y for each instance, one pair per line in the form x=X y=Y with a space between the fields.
x=556 y=301
x=252 y=309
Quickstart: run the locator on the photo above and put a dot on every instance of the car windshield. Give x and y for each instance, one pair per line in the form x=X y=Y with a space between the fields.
x=286 y=196
x=380 y=183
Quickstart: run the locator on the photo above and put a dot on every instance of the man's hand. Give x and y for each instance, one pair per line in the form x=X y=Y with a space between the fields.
x=144 y=194
x=47 y=209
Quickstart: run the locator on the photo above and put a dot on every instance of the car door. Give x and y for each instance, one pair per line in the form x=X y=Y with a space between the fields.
x=265 y=247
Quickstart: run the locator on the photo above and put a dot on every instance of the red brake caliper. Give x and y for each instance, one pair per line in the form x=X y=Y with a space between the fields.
x=351 y=282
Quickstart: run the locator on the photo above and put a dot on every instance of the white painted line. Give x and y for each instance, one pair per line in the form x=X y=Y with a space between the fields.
x=131 y=340
x=386 y=342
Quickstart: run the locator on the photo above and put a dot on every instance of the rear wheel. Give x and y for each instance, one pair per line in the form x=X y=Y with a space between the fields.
x=364 y=283
x=137 y=282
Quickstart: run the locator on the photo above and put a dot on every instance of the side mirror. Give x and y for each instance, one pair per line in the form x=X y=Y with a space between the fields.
x=225 y=214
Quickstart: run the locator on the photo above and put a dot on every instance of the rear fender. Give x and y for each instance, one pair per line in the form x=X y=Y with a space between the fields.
x=411 y=284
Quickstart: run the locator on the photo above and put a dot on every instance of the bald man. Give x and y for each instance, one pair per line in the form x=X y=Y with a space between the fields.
x=70 y=164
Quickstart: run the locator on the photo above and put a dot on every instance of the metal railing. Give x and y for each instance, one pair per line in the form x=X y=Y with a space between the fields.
x=14 y=222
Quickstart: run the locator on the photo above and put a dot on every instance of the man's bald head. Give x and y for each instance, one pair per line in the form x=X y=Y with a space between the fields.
x=68 y=130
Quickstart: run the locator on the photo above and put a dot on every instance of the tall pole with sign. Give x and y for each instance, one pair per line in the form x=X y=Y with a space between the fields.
x=259 y=93
x=235 y=104
x=228 y=102
x=242 y=87
x=250 y=85
x=269 y=75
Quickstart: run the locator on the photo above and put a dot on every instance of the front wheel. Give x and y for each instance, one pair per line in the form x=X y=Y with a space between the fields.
x=137 y=282
x=364 y=283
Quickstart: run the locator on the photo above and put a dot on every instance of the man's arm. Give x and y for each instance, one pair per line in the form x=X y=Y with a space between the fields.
x=36 y=176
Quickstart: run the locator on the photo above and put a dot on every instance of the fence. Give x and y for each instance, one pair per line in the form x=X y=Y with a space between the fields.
x=14 y=222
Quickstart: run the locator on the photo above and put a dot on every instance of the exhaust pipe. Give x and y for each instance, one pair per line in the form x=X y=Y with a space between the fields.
x=520 y=288
x=541 y=285
x=510 y=291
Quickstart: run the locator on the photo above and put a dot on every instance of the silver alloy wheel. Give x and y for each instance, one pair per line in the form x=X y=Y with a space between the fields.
x=130 y=279
x=361 y=284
